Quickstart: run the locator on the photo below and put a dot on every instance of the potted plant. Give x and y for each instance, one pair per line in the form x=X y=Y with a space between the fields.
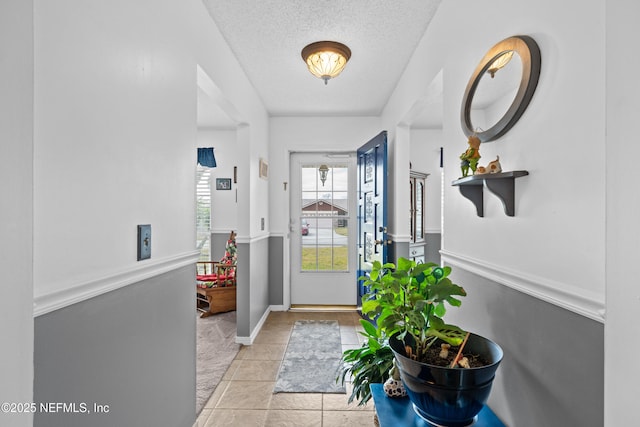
x=447 y=371
x=368 y=364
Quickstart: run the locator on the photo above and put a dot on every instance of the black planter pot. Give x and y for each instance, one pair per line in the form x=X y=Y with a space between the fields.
x=449 y=397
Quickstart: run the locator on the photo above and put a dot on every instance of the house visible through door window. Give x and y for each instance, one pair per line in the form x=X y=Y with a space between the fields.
x=324 y=218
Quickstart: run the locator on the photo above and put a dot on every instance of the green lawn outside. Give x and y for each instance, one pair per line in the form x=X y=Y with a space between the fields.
x=340 y=258
x=343 y=231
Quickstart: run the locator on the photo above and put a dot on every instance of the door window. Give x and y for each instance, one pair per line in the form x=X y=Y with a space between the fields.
x=324 y=218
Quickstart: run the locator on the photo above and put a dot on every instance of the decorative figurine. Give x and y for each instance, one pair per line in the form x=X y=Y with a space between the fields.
x=471 y=156
x=492 y=167
x=393 y=387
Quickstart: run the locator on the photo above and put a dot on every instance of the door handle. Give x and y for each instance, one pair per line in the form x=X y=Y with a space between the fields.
x=383 y=242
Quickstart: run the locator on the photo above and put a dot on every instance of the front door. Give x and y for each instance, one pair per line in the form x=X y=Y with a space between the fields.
x=322 y=227
x=372 y=206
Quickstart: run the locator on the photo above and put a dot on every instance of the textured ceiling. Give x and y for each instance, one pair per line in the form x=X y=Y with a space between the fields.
x=267 y=37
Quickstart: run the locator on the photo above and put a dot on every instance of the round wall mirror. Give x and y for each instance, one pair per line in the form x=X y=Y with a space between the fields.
x=500 y=88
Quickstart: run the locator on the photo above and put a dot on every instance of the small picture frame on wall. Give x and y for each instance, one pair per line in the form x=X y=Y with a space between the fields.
x=223 y=183
x=264 y=169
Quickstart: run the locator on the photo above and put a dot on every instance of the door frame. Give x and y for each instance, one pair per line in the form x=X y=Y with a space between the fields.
x=336 y=157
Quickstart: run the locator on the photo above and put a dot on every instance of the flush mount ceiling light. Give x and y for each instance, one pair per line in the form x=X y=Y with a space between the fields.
x=326 y=59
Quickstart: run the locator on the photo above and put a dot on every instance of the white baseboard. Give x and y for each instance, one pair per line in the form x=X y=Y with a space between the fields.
x=249 y=340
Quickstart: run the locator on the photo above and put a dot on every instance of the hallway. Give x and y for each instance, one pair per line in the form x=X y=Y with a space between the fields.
x=100 y=132
x=244 y=396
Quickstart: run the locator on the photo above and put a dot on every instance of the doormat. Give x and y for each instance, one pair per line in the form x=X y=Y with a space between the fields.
x=313 y=359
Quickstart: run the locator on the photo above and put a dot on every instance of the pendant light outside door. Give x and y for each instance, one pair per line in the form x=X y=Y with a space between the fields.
x=323 y=170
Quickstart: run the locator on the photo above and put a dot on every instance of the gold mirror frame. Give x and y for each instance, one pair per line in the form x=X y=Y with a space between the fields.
x=529 y=53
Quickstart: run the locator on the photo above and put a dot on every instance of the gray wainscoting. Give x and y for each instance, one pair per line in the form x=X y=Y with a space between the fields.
x=433 y=242
x=276 y=276
x=259 y=281
x=253 y=285
x=258 y=276
x=243 y=291
x=552 y=373
x=397 y=250
x=218 y=245
x=132 y=349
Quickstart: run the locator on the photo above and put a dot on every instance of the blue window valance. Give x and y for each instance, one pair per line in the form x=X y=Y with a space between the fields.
x=206 y=157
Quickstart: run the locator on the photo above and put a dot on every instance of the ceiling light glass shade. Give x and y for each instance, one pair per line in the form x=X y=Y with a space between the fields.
x=326 y=59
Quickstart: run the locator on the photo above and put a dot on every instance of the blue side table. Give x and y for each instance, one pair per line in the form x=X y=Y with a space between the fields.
x=394 y=412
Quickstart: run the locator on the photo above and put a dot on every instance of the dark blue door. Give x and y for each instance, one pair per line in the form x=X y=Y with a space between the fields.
x=372 y=206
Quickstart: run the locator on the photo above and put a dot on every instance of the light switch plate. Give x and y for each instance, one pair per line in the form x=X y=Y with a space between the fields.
x=144 y=242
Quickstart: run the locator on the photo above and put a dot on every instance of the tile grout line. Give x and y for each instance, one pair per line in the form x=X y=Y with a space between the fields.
x=347 y=325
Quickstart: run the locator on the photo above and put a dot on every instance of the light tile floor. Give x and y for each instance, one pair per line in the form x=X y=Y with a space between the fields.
x=245 y=396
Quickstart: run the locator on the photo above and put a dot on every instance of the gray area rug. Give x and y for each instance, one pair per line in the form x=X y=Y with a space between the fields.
x=215 y=350
x=312 y=360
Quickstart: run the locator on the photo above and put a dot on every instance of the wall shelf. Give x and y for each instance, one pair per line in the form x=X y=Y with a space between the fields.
x=501 y=184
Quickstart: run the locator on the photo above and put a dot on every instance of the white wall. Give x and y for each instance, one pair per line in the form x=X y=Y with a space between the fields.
x=224 y=205
x=559 y=139
x=259 y=196
x=115 y=130
x=119 y=150
x=238 y=99
x=16 y=215
x=623 y=204
x=425 y=157
x=319 y=134
x=554 y=248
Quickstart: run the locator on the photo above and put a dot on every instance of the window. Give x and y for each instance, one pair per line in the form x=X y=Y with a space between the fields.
x=203 y=212
x=324 y=219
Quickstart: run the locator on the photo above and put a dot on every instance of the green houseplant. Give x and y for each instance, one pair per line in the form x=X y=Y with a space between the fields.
x=409 y=302
x=368 y=364
x=372 y=362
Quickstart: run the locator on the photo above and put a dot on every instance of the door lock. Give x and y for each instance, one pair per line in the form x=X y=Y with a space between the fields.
x=383 y=242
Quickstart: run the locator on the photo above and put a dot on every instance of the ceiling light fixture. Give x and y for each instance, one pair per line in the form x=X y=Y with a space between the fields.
x=326 y=59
